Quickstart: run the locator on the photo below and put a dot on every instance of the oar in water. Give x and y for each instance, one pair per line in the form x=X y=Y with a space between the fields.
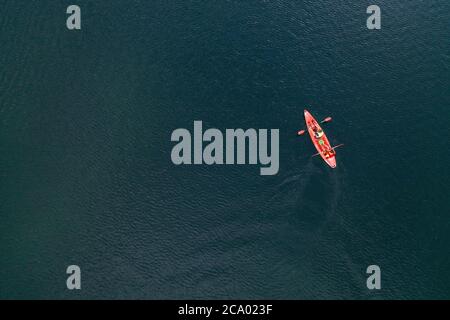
x=338 y=146
x=327 y=119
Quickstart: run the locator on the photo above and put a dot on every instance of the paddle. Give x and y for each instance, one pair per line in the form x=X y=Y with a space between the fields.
x=327 y=119
x=338 y=146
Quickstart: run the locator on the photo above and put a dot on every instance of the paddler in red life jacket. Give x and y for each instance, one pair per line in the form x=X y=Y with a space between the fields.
x=328 y=153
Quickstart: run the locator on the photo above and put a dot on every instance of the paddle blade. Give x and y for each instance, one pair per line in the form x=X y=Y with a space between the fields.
x=338 y=146
x=299 y=133
x=327 y=119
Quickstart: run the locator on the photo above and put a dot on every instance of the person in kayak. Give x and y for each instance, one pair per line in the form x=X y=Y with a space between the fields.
x=318 y=133
x=328 y=153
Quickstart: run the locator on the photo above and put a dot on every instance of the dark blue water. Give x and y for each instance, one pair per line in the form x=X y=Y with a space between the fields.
x=86 y=175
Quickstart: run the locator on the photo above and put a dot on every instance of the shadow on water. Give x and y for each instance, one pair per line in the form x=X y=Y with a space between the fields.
x=310 y=197
x=314 y=226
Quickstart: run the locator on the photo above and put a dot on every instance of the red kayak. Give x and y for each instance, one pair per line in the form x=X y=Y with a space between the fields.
x=320 y=140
